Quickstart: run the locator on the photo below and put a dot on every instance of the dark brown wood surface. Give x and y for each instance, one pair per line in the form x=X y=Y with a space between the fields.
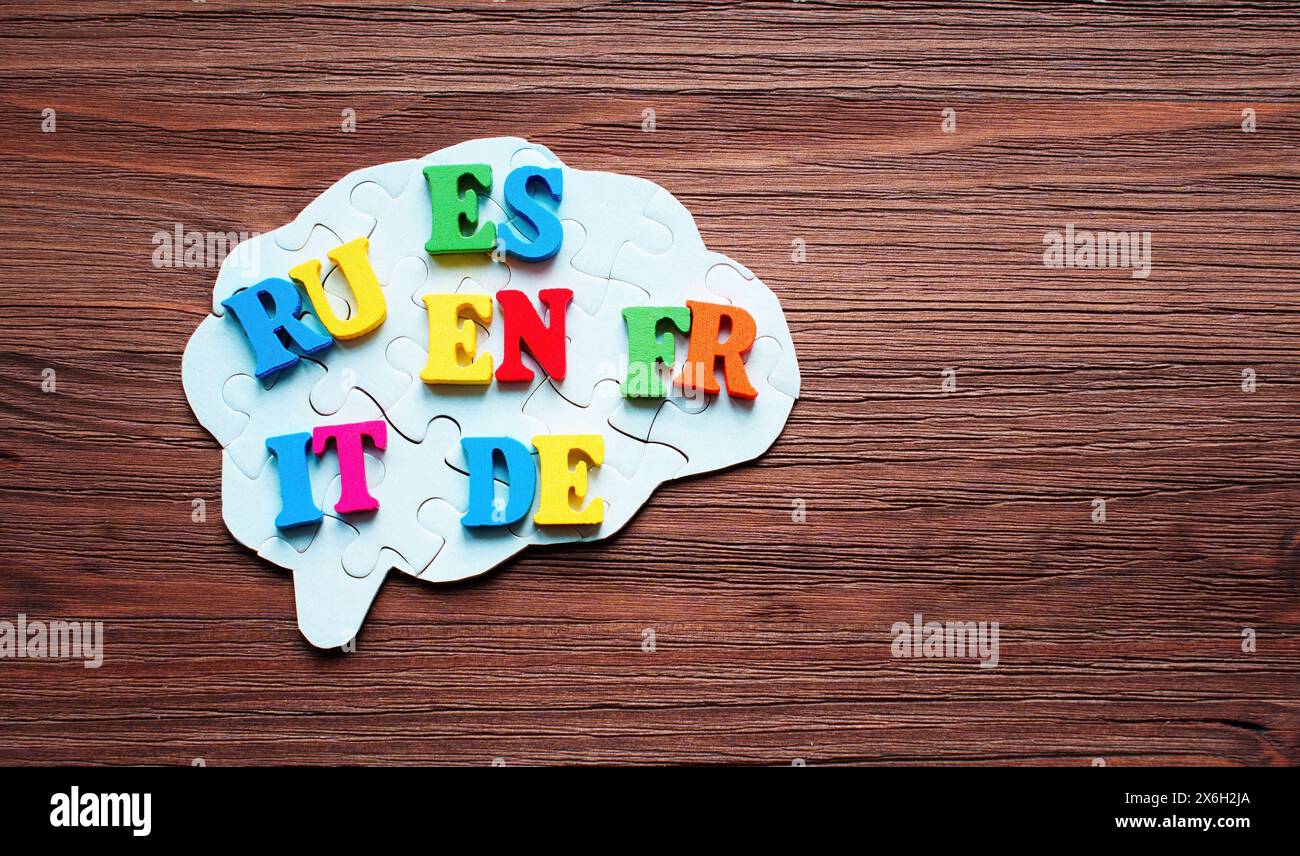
x=1120 y=640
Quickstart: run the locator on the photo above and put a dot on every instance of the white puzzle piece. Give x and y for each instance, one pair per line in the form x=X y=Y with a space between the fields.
x=293 y=412
x=477 y=548
x=354 y=362
x=413 y=473
x=747 y=428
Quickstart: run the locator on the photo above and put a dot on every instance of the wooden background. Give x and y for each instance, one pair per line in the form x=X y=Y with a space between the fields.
x=1119 y=640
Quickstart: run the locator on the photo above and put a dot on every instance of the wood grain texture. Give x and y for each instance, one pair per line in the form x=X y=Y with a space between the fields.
x=1119 y=640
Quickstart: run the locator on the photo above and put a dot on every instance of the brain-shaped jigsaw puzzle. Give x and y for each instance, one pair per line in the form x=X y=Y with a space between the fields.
x=442 y=361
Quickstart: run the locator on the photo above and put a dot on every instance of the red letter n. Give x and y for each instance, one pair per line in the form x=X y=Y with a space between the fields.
x=523 y=326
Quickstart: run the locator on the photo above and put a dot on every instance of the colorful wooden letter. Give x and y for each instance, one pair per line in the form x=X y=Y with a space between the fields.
x=524 y=325
x=453 y=339
x=560 y=482
x=354 y=260
x=349 y=440
x=453 y=195
x=527 y=209
x=706 y=349
x=647 y=346
x=264 y=325
x=479 y=454
x=297 y=508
